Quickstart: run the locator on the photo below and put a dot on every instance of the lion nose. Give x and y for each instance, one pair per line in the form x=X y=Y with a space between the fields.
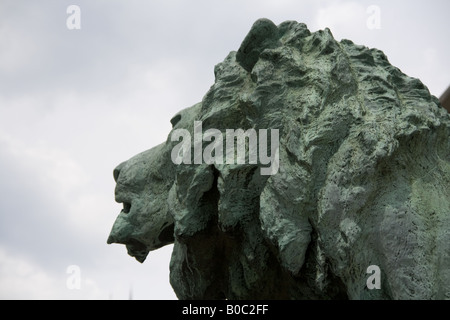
x=117 y=170
x=120 y=230
x=111 y=239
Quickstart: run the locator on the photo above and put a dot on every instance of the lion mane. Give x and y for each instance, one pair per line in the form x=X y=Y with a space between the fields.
x=363 y=179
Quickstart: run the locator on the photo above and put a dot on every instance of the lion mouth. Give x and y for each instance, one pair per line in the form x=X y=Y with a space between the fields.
x=126 y=207
x=119 y=234
x=135 y=248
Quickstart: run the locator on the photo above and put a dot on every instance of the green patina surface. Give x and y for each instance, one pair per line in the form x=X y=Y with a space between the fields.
x=363 y=179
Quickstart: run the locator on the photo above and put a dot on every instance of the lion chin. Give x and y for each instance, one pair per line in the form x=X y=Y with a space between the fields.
x=137 y=250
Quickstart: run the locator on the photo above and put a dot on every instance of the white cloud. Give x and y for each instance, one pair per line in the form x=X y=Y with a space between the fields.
x=149 y=280
x=431 y=60
x=77 y=191
x=341 y=17
x=17 y=50
x=52 y=167
x=75 y=104
x=23 y=279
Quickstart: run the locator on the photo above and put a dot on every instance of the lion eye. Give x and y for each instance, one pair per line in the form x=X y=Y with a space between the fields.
x=126 y=207
x=175 y=120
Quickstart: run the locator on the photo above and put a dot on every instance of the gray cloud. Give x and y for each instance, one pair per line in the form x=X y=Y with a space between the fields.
x=75 y=103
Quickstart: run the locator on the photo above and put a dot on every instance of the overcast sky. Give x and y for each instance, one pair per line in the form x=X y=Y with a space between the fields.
x=76 y=103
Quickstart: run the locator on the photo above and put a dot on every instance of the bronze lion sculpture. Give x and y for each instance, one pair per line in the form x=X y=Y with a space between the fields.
x=361 y=179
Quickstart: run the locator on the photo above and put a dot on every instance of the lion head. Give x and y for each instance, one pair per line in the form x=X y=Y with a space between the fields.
x=144 y=223
x=363 y=156
x=142 y=186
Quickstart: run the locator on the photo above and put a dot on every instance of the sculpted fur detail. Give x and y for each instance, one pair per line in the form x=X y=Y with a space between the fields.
x=362 y=180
